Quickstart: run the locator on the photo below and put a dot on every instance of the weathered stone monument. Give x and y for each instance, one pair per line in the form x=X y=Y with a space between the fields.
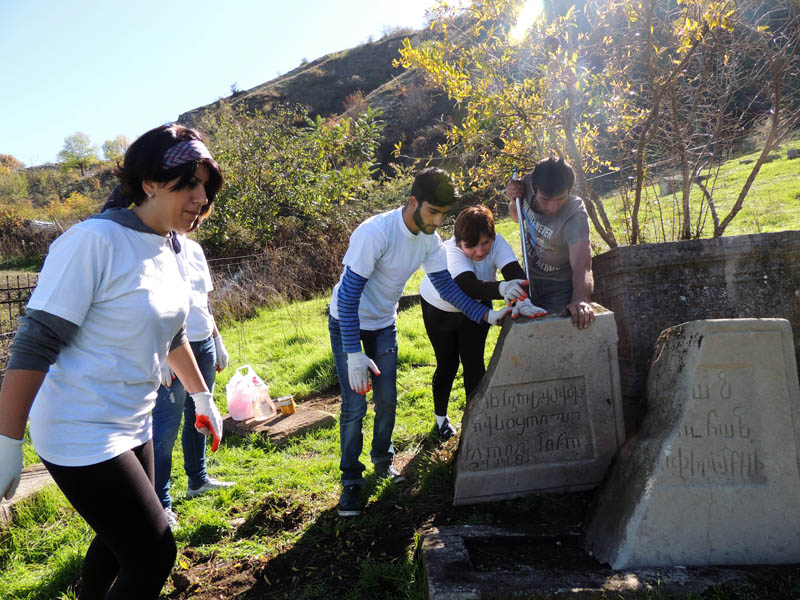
x=713 y=475
x=650 y=287
x=547 y=416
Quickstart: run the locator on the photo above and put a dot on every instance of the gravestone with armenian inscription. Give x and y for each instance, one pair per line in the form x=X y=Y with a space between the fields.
x=547 y=416
x=712 y=477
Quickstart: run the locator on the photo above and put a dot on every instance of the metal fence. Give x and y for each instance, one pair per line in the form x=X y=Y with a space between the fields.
x=15 y=291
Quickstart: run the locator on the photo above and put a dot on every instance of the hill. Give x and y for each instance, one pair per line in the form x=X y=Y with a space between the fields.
x=344 y=81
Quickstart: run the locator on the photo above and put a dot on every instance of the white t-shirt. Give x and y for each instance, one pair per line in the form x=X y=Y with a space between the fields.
x=387 y=254
x=124 y=290
x=192 y=261
x=499 y=256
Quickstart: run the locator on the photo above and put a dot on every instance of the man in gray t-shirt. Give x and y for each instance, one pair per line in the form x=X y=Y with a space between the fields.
x=557 y=245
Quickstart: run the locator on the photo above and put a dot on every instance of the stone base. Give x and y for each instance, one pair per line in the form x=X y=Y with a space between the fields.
x=712 y=476
x=281 y=428
x=482 y=562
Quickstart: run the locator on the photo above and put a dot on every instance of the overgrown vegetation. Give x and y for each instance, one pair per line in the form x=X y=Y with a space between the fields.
x=637 y=88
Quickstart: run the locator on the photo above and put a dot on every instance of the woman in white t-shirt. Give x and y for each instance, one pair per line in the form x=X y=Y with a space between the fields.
x=474 y=254
x=173 y=401
x=108 y=309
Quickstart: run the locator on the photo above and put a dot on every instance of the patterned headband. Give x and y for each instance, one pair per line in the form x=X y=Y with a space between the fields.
x=183 y=152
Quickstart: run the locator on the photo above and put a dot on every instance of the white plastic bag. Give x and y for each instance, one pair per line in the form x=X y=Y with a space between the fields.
x=244 y=391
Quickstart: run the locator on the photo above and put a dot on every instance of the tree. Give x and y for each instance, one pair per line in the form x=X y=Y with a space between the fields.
x=284 y=167
x=114 y=150
x=595 y=81
x=9 y=163
x=78 y=152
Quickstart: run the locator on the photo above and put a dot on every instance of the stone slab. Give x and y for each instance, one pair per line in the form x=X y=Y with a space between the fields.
x=651 y=287
x=713 y=476
x=459 y=565
x=33 y=479
x=281 y=428
x=547 y=416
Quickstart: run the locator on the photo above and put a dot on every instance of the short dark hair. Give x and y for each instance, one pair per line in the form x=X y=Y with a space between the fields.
x=552 y=176
x=434 y=186
x=471 y=223
x=144 y=162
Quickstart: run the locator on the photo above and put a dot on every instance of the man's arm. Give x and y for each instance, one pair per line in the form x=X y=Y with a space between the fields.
x=580 y=259
x=474 y=311
x=348 y=300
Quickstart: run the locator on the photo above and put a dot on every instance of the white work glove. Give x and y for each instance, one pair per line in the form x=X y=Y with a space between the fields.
x=495 y=317
x=513 y=290
x=358 y=366
x=207 y=421
x=10 y=466
x=166 y=375
x=222 y=353
x=526 y=308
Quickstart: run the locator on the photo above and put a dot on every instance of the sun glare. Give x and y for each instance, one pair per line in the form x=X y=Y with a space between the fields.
x=531 y=10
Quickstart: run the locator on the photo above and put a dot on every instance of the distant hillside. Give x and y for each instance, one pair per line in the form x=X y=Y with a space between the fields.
x=333 y=83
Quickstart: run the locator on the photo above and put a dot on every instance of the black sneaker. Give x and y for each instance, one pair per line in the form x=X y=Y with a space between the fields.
x=350 y=501
x=445 y=431
x=387 y=471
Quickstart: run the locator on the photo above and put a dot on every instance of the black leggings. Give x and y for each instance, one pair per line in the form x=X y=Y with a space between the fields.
x=133 y=550
x=454 y=336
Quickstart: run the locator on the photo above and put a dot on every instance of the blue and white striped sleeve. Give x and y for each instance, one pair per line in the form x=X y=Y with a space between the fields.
x=348 y=299
x=449 y=291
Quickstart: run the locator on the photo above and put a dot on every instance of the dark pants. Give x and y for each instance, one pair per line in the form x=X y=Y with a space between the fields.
x=133 y=550
x=453 y=337
x=553 y=296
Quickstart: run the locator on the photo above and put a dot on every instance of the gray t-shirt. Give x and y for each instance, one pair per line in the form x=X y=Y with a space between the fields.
x=549 y=258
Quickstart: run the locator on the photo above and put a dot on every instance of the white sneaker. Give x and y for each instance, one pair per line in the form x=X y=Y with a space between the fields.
x=172 y=518
x=210 y=485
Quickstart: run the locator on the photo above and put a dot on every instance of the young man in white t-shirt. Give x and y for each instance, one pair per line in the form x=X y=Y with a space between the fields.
x=385 y=250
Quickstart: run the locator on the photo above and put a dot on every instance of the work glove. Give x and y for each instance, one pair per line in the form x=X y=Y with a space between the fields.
x=495 y=317
x=10 y=466
x=358 y=367
x=207 y=421
x=222 y=353
x=513 y=290
x=526 y=308
x=166 y=375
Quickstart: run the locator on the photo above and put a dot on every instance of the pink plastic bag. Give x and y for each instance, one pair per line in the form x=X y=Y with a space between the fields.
x=239 y=392
x=248 y=396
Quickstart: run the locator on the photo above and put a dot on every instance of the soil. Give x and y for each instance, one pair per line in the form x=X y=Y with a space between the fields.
x=332 y=553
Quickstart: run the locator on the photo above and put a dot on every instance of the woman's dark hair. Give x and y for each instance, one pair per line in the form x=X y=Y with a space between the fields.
x=552 y=176
x=144 y=162
x=434 y=186
x=471 y=223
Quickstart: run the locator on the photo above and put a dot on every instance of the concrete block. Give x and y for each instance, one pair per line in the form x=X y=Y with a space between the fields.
x=547 y=416
x=713 y=476
x=486 y=563
x=33 y=479
x=281 y=428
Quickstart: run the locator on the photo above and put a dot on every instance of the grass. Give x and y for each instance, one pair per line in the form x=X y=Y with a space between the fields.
x=282 y=496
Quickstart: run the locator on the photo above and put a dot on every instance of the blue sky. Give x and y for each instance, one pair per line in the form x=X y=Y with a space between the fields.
x=107 y=67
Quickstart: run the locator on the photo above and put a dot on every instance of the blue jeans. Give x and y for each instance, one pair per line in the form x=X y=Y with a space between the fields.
x=170 y=403
x=380 y=346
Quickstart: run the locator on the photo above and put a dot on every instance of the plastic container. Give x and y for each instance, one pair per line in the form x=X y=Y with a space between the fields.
x=286 y=404
x=263 y=408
